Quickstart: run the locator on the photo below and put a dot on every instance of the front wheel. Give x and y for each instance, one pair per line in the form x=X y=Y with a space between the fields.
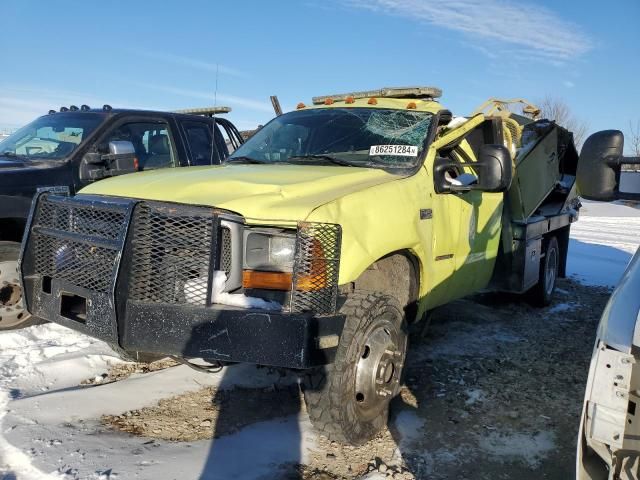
x=542 y=294
x=348 y=401
x=13 y=314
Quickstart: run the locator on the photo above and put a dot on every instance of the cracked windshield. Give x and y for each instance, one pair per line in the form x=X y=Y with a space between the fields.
x=361 y=137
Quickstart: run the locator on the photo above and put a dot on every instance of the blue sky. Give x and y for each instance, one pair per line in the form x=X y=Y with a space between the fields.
x=164 y=55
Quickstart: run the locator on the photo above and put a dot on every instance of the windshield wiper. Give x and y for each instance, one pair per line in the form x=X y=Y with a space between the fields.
x=245 y=160
x=329 y=159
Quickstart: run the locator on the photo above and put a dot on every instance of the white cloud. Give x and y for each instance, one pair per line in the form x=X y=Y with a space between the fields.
x=533 y=28
x=568 y=84
x=192 y=63
x=220 y=98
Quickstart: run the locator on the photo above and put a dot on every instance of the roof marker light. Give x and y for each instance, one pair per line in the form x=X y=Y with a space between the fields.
x=372 y=101
x=349 y=100
x=412 y=105
x=328 y=101
x=73 y=108
x=51 y=112
x=85 y=108
x=64 y=109
x=300 y=106
x=106 y=108
x=425 y=93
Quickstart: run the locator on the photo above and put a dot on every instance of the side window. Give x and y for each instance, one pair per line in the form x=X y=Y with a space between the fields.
x=151 y=141
x=464 y=151
x=200 y=144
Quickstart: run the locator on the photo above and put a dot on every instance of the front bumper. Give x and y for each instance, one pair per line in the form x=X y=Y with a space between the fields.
x=290 y=340
x=86 y=265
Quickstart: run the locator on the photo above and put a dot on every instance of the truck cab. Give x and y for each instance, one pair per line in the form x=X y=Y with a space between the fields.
x=315 y=244
x=75 y=147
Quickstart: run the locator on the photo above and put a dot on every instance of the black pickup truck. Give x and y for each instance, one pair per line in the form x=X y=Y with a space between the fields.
x=75 y=146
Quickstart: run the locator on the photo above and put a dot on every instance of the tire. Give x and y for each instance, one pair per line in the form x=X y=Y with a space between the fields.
x=12 y=311
x=344 y=401
x=542 y=294
x=137 y=357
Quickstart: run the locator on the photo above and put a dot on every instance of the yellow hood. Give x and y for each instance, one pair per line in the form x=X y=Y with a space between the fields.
x=261 y=192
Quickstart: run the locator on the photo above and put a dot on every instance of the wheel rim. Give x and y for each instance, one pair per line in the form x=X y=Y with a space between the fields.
x=552 y=267
x=12 y=311
x=379 y=368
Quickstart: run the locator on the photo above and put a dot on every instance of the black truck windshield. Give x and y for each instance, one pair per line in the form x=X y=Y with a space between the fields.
x=361 y=137
x=53 y=136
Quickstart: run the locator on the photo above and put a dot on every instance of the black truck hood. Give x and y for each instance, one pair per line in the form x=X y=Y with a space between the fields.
x=20 y=179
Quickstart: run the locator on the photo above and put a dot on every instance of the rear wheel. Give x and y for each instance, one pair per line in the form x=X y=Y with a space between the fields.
x=348 y=401
x=12 y=310
x=542 y=294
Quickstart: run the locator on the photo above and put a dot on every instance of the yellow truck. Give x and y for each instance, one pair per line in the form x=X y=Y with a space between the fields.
x=315 y=244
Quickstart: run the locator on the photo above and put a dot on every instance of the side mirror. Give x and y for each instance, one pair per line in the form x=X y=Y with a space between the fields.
x=493 y=168
x=121 y=159
x=600 y=167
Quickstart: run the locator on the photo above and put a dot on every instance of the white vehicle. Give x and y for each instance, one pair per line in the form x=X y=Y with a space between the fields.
x=609 y=437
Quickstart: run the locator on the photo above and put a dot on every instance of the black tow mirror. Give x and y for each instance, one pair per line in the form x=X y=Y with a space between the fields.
x=121 y=159
x=600 y=167
x=493 y=172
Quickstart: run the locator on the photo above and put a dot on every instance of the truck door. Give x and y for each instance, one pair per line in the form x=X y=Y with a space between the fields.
x=152 y=140
x=480 y=215
x=466 y=225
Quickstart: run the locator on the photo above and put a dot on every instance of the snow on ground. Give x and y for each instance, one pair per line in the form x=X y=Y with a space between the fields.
x=50 y=427
x=603 y=242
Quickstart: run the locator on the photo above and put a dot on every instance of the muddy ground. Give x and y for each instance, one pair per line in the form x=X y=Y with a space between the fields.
x=493 y=390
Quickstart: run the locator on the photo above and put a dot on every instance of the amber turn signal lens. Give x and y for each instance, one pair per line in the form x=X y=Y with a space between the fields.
x=412 y=105
x=328 y=101
x=349 y=100
x=266 y=280
x=300 y=106
x=372 y=101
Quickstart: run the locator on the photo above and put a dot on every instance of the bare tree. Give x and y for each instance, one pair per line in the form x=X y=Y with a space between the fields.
x=634 y=138
x=558 y=110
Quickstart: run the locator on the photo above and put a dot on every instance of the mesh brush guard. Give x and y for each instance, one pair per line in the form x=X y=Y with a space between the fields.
x=70 y=261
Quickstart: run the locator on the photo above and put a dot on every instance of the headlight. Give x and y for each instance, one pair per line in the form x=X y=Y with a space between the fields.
x=269 y=250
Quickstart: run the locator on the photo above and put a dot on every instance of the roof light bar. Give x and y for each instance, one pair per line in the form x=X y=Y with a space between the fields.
x=388 y=92
x=208 y=111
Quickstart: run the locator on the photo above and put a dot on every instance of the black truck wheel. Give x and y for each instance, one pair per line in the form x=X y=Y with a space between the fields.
x=542 y=294
x=348 y=401
x=12 y=311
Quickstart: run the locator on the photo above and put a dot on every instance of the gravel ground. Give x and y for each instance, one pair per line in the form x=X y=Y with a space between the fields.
x=493 y=390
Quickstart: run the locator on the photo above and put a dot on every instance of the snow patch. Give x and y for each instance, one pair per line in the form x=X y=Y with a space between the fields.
x=409 y=426
x=519 y=446
x=474 y=395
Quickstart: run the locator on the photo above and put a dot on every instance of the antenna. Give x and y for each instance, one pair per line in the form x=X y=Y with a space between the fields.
x=213 y=127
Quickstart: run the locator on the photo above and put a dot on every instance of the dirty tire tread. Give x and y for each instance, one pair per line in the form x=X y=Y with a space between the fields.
x=323 y=392
x=538 y=297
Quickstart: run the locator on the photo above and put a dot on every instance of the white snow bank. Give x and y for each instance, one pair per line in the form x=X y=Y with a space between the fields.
x=602 y=242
